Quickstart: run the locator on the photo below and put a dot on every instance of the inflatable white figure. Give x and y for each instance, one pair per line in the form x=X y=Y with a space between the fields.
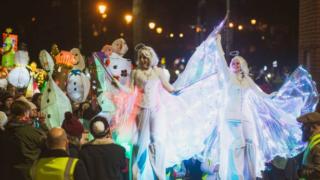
x=120 y=68
x=19 y=76
x=111 y=64
x=79 y=60
x=119 y=46
x=78 y=85
x=3 y=83
x=54 y=103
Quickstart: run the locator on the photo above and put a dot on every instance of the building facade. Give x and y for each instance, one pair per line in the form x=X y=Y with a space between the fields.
x=309 y=37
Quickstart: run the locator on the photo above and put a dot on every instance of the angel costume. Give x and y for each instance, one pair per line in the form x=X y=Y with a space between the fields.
x=218 y=116
x=250 y=127
x=158 y=131
x=78 y=84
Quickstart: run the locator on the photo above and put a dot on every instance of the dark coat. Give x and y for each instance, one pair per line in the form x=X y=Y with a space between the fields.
x=22 y=146
x=311 y=170
x=104 y=161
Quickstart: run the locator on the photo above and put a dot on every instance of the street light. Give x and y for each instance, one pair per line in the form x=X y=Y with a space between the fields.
x=198 y=29
x=159 y=30
x=240 y=27
x=102 y=8
x=104 y=15
x=231 y=25
x=253 y=22
x=181 y=35
x=152 y=25
x=171 y=35
x=128 y=18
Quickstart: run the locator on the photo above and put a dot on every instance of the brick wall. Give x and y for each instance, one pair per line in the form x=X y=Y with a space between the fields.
x=309 y=36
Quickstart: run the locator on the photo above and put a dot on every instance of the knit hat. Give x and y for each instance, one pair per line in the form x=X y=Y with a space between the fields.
x=72 y=125
x=99 y=127
x=3 y=119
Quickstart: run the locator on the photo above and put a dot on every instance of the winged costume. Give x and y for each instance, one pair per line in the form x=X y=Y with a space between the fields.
x=219 y=116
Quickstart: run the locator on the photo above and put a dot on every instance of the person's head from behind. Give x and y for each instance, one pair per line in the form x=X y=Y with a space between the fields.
x=21 y=111
x=310 y=125
x=239 y=65
x=99 y=127
x=72 y=127
x=57 y=139
x=85 y=106
x=33 y=107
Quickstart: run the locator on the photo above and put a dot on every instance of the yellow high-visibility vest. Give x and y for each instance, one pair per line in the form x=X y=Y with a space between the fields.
x=56 y=168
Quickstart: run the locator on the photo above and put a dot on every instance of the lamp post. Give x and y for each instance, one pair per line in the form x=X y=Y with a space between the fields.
x=101 y=8
x=228 y=29
x=137 y=10
x=79 y=25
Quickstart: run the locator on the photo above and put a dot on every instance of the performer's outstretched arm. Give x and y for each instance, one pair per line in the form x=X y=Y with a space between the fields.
x=221 y=62
x=164 y=82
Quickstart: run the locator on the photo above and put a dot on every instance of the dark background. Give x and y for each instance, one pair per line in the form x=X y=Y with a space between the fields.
x=40 y=23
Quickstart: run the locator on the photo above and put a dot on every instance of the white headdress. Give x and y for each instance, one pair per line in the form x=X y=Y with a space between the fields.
x=243 y=65
x=148 y=52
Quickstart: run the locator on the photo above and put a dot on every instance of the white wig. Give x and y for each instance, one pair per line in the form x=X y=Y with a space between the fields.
x=148 y=52
x=243 y=65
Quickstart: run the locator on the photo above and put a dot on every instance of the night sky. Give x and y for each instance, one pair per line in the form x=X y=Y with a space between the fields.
x=39 y=23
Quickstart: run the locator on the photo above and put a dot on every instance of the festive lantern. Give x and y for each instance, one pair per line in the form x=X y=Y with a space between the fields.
x=65 y=58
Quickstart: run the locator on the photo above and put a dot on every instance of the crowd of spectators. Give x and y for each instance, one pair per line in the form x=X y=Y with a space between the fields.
x=82 y=148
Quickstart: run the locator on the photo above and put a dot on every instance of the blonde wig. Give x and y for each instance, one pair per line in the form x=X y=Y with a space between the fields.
x=149 y=53
x=244 y=70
